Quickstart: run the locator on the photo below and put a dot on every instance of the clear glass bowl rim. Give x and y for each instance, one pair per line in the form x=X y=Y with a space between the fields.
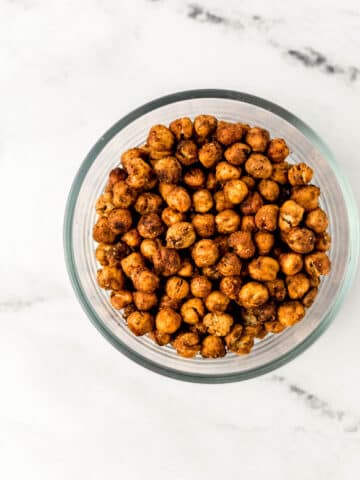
x=354 y=233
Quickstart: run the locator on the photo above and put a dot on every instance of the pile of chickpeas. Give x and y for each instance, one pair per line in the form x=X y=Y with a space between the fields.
x=208 y=238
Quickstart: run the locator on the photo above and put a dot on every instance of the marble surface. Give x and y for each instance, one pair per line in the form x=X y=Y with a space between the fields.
x=71 y=406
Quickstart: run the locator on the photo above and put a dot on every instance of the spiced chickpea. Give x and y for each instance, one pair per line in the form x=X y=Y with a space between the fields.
x=150 y=225
x=132 y=153
x=228 y=133
x=187 y=344
x=230 y=286
x=132 y=238
x=225 y=171
x=242 y=244
x=309 y=298
x=121 y=299
x=168 y=170
x=317 y=220
x=123 y=195
x=264 y=242
x=110 y=278
x=200 y=286
x=167 y=320
x=148 y=203
x=212 y=347
x=229 y=265
x=205 y=253
x=266 y=217
x=120 y=220
x=265 y=313
x=300 y=174
x=165 y=189
x=258 y=166
x=263 y=269
x=170 y=216
x=182 y=128
x=128 y=310
x=258 y=139
x=221 y=201
x=198 y=328
x=179 y=199
x=314 y=281
x=180 y=235
x=102 y=232
x=323 y=242
x=238 y=341
x=104 y=204
x=160 y=338
x=252 y=203
x=112 y=254
x=186 y=269
x=116 y=175
x=274 y=327
x=307 y=196
x=192 y=311
x=290 y=263
x=297 y=285
x=290 y=313
x=290 y=215
x=250 y=182
x=155 y=155
x=166 y=261
x=140 y=323
x=301 y=240
x=167 y=302
x=202 y=201
x=269 y=189
x=227 y=221
x=139 y=173
x=149 y=246
x=204 y=224
x=145 y=301
x=160 y=138
x=235 y=191
x=280 y=173
x=187 y=152
x=218 y=323
x=132 y=263
x=194 y=178
x=317 y=264
x=211 y=182
x=248 y=223
x=177 y=288
x=145 y=281
x=204 y=125
x=277 y=150
x=237 y=154
x=212 y=272
x=209 y=154
x=253 y=294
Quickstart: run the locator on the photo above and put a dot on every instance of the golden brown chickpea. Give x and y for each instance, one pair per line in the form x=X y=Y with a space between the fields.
x=148 y=203
x=218 y=323
x=258 y=139
x=228 y=133
x=309 y=298
x=165 y=189
x=186 y=269
x=314 y=281
x=242 y=244
x=300 y=174
x=258 y=166
x=110 y=278
x=182 y=128
x=212 y=272
x=225 y=171
x=160 y=138
x=187 y=152
x=291 y=263
x=102 y=233
x=221 y=202
x=248 y=223
x=167 y=320
x=149 y=246
x=274 y=327
x=235 y=191
x=116 y=175
x=111 y=254
x=212 y=347
x=307 y=196
x=204 y=224
x=301 y=240
x=229 y=265
x=277 y=289
x=230 y=286
x=269 y=189
x=317 y=220
x=179 y=199
x=264 y=269
x=202 y=201
x=205 y=253
x=297 y=285
x=251 y=204
x=156 y=155
x=265 y=313
x=167 y=302
x=194 y=177
x=139 y=173
x=104 y=204
x=209 y=154
x=264 y=242
x=317 y=264
x=180 y=235
x=277 y=150
x=280 y=173
x=211 y=181
x=166 y=261
x=145 y=281
x=168 y=170
x=192 y=311
x=199 y=328
x=170 y=216
x=266 y=217
x=177 y=288
x=290 y=313
x=145 y=301
x=253 y=294
x=132 y=264
x=204 y=125
x=187 y=344
x=150 y=226
x=140 y=323
x=200 y=286
x=237 y=153
x=290 y=215
x=121 y=299
x=129 y=155
x=120 y=220
x=323 y=242
x=239 y=341
x=160 y=338
x=227 y=221
x=123 y=195
x=132 y=238
x=250 y=182
x=222 y=244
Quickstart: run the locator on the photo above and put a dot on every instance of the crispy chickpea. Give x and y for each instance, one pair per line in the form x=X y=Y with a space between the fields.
x=205 y=252
x=264 y=269
x=180 y=235
x=225 y=171
x=199 y=328
x=204 y=125
x=186 y=269
x=177 y=288
x=274 y=327
x=211 y=182
x=266 y=217
x=145 y=301
x=235 y=191
x=307 y=196
x=237 y=153
x=265 y=313
x=149 y=246
x=264 y=242
x=300 y=174
x=160 y=338
x=121 y=299
x=129 y=155
x=277 y=150
x=132 y=263
x=301 y=240
x=168 y=170
x=150 y=225
x=228 y=133
x=200 y=286
x=218 y=323
x=227 y=221
x=221 y=202
x=167 y=320
x=258 y=139
x=309 y=298
x=248 y=223
x=120 y=220
x=187 y=152
x=314 y=281
x=165 y=189
x=192 y=311
x=110 y=278
x=229 y=265
x=102 y=233
x=291 y=263
x=269 y=189
x=230 y=286
x=280 y=173
x=297 y=285
x=238 y=341
x=242 y=244
x=128 y=310
x=145 y=281
x=187 y=344
x=212 y=347
x=317 y=220
x=132 y=238
x=290 y=313
x=104 y=204
x=160 y=138
x=209 y=154
x=222 y=244
x=194 y=177
x=179 y=199
x=112 y=254
x=258 y=166
x=204 y=224
x=156 y=155
x=323 y=242
x=182 y=128
x=116 y=175
x=290 y=215
x=202 y=201
x=317 y=264
x=277 y=289
x=253 y=294
x=166 y=261
x=139 y=173
x=140 y=323
x=170 y=216
x=148 y=203
x=249 y=181
x=123 y=195
x=212 y=272
x=252 y=203
x=167 y=302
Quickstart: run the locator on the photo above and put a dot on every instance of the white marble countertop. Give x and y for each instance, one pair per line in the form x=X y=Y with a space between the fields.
x=71 y=406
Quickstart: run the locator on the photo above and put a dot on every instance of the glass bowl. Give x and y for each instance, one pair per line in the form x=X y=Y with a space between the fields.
x=305 y=145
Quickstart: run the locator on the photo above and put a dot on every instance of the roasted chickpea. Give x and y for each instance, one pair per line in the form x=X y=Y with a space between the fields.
x=274 y=327
x=145 y=301
x=150 y=226
x=266 y=217
x=116 y=175
x=110 y=278
x=166 y=261
x=218 y=323
x=211 y=182
x=160 y=138
x=132 y=263
x=205 y=252
x=229 y=265
x=139 y=173
x=253 y=294
x=250 y=182
x=177 y=288
x=221 y=202
x=307 y=196
x=120 y=220
x=258 y=166
x=317 y=264
x=167 y=302
x=186 y=269
x=168 y=170
x=265 y=313
x=182 y=128
x=237 y=153
x=187 y=344
x=228 y=133
x=264 y=269
x=170 y=216
x=300 y=174
x=317 y=220
x=301 y=240
x=179 y=199
x=128 y=310
x=252 y=203
x=248 y=223
x=204 y=125
x=297 y=285
x=149 y=246
x=309 y=298
x=264 y=242
x=202 y=201
x=230 y=286
x=225 y=171
x=235 y=191
x=192 y=311
x=195 y=177
x=121 y=299
x=132 y=153
x=180 y=235
x=209 y=154
x=277 y=150
x=200 y=286
x=132 y=238
x=222 y=244
x=277 y=289
x=323 y=242
x=102 y=232
x=290 y=215
x=140 y=323
x=199 y=328
x=314 y=281
x=148 y=203
x=187 y=152
x=145 y=281
x=111 y=254
x=212 y=272
x=212 y=347
x=238 y=341
x=160 y=338
x=280 y=173
x=291 y=263
x=269 y=189
x=290 y=313
x=227 y=221
x=204 y=224
x=156 y=155
x=104 y=204
x=167 y=320
x=242 y=244
x=258 y=139
x=123 y=195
